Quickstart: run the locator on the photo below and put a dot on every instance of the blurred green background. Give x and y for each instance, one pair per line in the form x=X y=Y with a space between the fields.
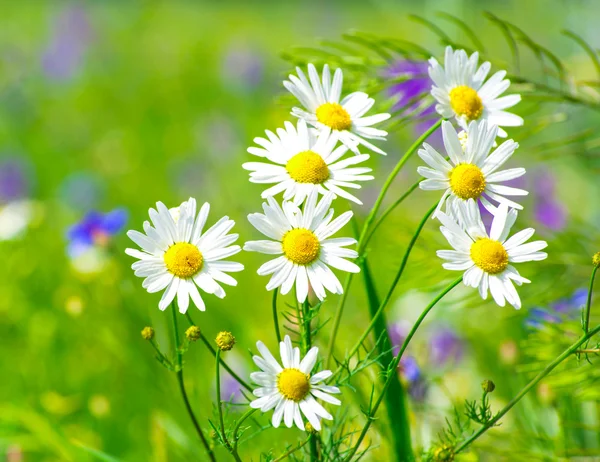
x=120 y=104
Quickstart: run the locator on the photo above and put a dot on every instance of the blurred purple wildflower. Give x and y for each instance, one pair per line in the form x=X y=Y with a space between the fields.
x=411 y=372
x=410 y=91
x=547 y=209
x=95 y=229
x=71 y=37
x=14 y=181
x=445 y=346
x=558 y=311
x=242 y=67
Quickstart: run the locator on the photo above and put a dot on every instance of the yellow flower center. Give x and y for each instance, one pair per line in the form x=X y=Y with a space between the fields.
x=467 y=181
x=308 y=167
x=293 y=384
x=300 y=246
x=466 y=102
x=183 y=260
x=334 y=116
x=489 y=255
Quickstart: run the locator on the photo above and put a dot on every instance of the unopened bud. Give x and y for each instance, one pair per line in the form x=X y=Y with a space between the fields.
x=596 y=260
x=310 y=429
x=444 y=453
x=147 y=333
x=488 y=386
x=193 y=333
x=225 y=340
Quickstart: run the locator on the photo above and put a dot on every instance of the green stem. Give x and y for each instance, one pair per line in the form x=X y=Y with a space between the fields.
x=220 y=405
x=549 y=368
x=361 y=241
x=179 y=372
x=275 y=317
x=389 y=210
x=395 y=398
x=214 y=353
x=291 y=451
x=239 y=423
x=313 y=439
x=588 y=307
x=376 y=316
x=160 y=353
x=392 y=370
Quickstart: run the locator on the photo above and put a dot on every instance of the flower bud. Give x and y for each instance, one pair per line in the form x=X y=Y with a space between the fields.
x=147 y=333
x=310 y=429
x=443 y=453
x=596 y=260
x=488 y=386
x=225 y=340
x=193 y=333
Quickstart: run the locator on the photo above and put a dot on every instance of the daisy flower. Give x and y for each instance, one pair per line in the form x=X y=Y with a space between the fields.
x=177 y=255
x=302 y=160
x=323 y=108
x=291 y=390
x=460 y=91
x=303 y=240
x=486 y=259
x=471 y=172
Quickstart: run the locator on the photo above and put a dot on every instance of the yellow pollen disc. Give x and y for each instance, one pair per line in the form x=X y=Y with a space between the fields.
x=301 y=246
x=334 y=116
x=489 y=255
x=308 y=167
x=293 y=384
x=466 y=102
x=467 y=181
x=183 y=260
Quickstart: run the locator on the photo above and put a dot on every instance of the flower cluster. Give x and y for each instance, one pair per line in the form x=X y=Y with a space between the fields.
x=312 y=163
x=471 y=173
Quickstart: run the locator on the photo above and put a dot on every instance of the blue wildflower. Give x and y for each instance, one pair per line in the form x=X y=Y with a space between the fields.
x=96 y=228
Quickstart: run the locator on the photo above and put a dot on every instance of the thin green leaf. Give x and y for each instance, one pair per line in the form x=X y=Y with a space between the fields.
x=465 y=28
x=586 y=47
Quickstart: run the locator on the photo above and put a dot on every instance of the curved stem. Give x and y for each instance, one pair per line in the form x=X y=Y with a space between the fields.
x=275 y=317
x=369 y=220
x=394 y=365
x=214 y=353
x=549 y=368
x=179 y=372
x=390 y=209
x=291 y=451
x=239 y=423
x=588 y=306
x=388 y=296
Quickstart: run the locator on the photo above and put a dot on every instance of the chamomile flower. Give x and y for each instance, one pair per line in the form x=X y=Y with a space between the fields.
x=178 y=257
x=302 y=239
x=324 y=108
x=471 y=172
x=291 y=390
x=486 y=258
x=302 y=160
x=460 y=91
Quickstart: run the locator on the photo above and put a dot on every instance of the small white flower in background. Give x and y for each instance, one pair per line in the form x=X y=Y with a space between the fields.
x=303 y=239
x=486 y=259
x=461 y=92
x=303 y=160
x=323 y=108
x=472 y=172
x=291 y=390
x=15 y=217
x=177 y=255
